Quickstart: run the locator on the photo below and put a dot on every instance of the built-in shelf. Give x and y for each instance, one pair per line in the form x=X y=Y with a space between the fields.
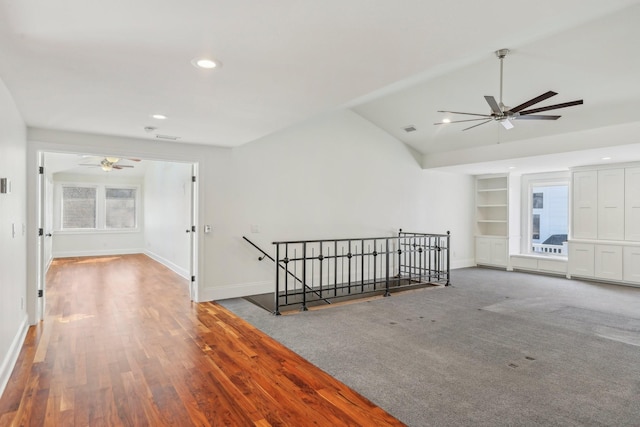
x=492 y=205
x=484 y=190
x=492 y=220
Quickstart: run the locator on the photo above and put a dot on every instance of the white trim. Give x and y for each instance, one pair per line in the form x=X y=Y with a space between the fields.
x=175 y=268
x=11 y=357
x=235 y=291
x=67 y=254
x=462 y=263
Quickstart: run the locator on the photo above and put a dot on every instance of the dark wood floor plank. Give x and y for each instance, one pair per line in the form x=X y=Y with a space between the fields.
x=122 y=345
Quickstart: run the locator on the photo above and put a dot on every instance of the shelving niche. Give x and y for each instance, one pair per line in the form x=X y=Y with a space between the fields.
x=492 y=220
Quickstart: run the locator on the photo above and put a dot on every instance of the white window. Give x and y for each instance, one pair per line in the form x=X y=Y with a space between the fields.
x=120 y=208
x=545 y=214
x=78 y=207
x=98 y=207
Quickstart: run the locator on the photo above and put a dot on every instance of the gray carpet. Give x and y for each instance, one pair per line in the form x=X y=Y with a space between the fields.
x=494 y=349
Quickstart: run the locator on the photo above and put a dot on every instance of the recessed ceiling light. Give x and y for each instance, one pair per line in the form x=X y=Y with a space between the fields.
x=512 y=167
x=446 y=120
x=206 y=63
x=159 y=116
x=606 y=158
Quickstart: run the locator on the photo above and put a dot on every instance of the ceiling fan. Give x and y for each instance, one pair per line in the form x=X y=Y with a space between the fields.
x=109 y=163
x=502 y=114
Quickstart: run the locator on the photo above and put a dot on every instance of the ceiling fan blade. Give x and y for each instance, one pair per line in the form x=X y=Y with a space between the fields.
x=121 y=166
x=535 y=100
x=493 y=104
x=471 y=127
x=552 y=107
x=459 y=121
x=468 y=114
x=506 y=123
x=538 y=117
x=135 y=160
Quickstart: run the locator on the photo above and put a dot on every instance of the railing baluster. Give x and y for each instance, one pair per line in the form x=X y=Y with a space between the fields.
x=335 y=268
x=304 y=277
x=277 y=294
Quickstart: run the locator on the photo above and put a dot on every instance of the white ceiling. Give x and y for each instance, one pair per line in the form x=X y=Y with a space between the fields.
x=105 y=66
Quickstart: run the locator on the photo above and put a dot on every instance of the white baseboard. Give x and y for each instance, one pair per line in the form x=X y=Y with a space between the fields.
x=170 y=265
x=105 y=252
x=463 y=263
x=234 y=291
x=10 y=359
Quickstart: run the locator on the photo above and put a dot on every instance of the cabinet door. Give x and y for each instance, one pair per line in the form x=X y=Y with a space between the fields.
x=499 y=252
x=483 y=250
x=611 y=204
x=631 y=264
x=491 y=251
x=608 y=262
x=632 y=204
x=585 y=209
x=581 y=259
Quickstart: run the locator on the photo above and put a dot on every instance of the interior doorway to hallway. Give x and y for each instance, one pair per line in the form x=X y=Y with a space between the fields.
x=92 y=205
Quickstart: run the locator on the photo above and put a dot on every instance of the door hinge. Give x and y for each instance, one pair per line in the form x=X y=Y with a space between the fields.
x=193 y=228
x=40 y=232
x=40 y=170
x=40 y=293
x=193 y=179
x=193 y=278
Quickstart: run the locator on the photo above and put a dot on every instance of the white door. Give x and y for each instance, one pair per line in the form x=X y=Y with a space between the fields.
x=193 y=262
x=40 y=253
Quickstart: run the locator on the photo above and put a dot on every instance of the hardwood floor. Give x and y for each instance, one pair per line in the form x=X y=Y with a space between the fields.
x=122 y=345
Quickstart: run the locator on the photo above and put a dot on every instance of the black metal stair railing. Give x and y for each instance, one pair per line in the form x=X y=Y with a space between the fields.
x=266 y=255
x=321 y=270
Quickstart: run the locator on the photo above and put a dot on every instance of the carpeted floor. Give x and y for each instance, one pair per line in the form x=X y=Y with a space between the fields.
x=494 y=349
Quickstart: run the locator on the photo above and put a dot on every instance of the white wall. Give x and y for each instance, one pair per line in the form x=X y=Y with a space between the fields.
x=102 y=242
x=333 y=176
x=167 y=200
x=13 y=255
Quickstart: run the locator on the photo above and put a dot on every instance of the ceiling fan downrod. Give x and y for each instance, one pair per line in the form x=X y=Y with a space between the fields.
x=501 y=54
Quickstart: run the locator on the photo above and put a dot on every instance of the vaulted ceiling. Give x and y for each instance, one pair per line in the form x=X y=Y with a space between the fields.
x=107 y=66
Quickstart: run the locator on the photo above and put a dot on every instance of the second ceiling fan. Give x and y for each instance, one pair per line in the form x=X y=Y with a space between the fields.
x=504 y=115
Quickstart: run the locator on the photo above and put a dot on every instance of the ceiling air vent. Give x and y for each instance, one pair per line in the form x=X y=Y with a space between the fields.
x=410 y=128
x=168 y=137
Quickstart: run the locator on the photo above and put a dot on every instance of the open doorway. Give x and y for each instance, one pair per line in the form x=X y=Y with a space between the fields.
x=108 y=205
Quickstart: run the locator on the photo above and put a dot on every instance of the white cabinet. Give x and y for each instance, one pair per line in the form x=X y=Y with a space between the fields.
x=491 y=251
x=631 y=264
x=585 y=204
x=600 y=261
x=608 y=262
x=581 y=259
x=611 y=204
x=632 y=204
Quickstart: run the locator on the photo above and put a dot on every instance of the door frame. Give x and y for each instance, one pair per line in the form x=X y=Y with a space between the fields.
x=35 y=210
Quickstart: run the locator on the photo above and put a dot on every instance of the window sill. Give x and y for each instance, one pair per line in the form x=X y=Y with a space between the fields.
x=536 y=256
x=96 y=231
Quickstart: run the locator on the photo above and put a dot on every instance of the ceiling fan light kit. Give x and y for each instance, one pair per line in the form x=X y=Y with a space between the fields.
x=109 y=163
x=503 y=115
